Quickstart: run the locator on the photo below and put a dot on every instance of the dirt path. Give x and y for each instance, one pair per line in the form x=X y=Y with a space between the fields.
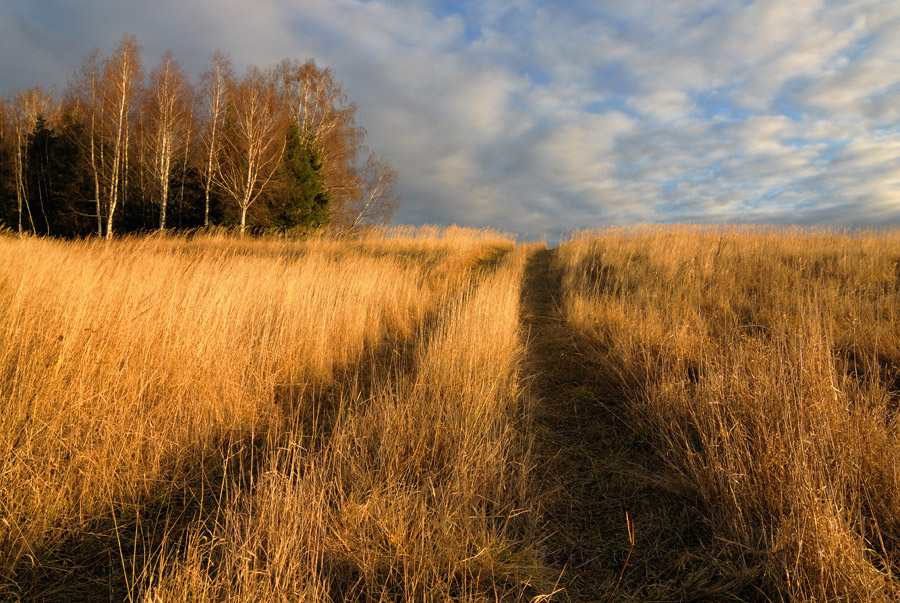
x=591 y=466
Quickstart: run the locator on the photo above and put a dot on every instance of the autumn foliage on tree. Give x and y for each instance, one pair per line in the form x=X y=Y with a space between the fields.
x=359 y=182
x=275 y=149
x=214 y=92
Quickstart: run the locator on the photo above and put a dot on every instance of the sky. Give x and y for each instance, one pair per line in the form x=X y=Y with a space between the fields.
x=539 y=116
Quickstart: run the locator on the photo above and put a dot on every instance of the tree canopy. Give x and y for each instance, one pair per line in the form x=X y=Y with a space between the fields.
x=275 y=149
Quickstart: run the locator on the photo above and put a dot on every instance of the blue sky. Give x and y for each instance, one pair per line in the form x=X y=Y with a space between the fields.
x=537 y=116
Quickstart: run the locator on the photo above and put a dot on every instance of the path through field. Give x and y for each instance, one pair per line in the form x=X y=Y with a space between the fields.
x=591 y=466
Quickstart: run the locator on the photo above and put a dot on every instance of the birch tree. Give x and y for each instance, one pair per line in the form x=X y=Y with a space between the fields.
x=6 y=148
x=253 y=139
x=214 y=83
x=120 y=85
x=319 y=107
x=4 y=142
x=168 y=112
x=326 y=119
x=376 y=200
x=84 y=103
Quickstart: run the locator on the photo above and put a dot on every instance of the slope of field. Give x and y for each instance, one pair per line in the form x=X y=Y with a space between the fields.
x=761 y=366
x=441 y=415
x=224 y=420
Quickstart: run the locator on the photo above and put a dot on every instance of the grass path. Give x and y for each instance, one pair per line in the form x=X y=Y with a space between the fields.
x=592 y=467
x=572 y=444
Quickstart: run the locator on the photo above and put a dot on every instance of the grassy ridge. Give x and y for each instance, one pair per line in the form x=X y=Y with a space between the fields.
x=413 y=492
x=762 y=365
x=213 y=419
x=246 y=421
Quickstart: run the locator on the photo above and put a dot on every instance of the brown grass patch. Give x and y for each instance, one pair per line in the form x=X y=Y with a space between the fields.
x=762 y=367
x=220 y=419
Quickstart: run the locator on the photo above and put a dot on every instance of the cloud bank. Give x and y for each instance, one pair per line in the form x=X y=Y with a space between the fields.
x=535 y=116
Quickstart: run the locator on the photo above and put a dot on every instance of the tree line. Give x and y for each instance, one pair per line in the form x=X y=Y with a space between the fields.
x=121 y=151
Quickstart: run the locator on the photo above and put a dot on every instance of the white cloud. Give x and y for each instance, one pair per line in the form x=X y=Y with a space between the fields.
x=534 y=117
x=664 y=105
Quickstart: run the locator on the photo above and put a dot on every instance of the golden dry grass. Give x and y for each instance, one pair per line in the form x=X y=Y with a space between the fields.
x=207 y=418
x=762 y=365
x=219 y=419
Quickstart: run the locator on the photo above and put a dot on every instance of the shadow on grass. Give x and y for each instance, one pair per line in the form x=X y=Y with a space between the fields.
x=107 y=557
x=594 y=467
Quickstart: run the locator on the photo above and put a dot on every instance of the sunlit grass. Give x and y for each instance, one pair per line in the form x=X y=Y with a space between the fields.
x=305 y=417
x=209 y=418
x=763 y=365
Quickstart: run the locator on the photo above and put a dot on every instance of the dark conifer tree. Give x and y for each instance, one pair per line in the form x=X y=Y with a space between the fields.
x=71 y=183
x=301 y=201
x=7 y=190
x=57 y=179
x=188 y=197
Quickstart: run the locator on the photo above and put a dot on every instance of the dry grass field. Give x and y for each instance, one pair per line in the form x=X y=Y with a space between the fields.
x=444 y=415
x=762 y=366
x=217 y=419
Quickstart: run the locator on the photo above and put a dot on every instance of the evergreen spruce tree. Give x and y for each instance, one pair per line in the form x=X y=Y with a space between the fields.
x=7 y=179
x=301 y=201
x=57 y=179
